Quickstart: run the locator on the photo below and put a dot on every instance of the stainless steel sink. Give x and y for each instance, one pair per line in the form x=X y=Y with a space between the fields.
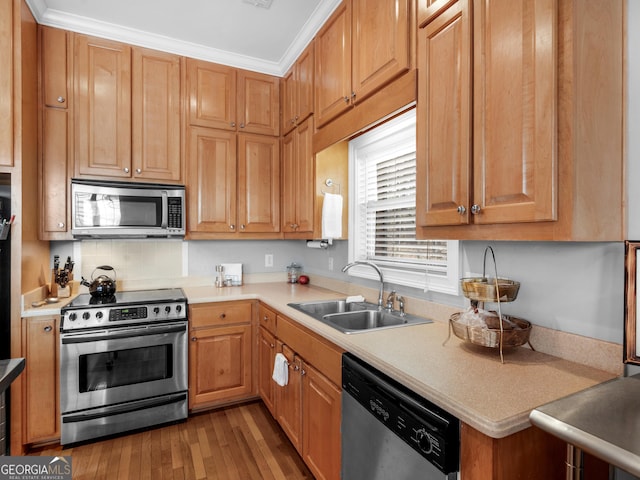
x=356 y=317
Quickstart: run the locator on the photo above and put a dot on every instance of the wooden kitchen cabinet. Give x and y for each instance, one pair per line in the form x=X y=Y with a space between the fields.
x=266 y=357
x=156 y=124
x=41 y=379
x=289 y=398
x=220 y=353
x=127 y=111
x=298 y=182
x=359 y=50
x=510 y=155
x=233 y=184
x=6 y=84
x=232 y=99
x=297 y=90
x=55 y=160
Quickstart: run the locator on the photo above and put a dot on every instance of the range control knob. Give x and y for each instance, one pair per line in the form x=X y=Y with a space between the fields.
x=156 y=310
x=86 y=315
x=167 y=309
x=99 y=315
x=72 y=317
x=424 y=441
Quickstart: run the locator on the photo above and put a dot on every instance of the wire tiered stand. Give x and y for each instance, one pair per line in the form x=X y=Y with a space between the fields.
x=496 y=330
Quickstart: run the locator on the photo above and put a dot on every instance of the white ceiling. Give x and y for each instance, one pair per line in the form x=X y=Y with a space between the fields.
x=230 y=32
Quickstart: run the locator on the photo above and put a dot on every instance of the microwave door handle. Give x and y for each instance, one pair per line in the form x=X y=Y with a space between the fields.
x=165 y=210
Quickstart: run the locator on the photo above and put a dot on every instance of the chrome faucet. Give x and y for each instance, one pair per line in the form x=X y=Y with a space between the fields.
x=377 y=269
x=390 y=299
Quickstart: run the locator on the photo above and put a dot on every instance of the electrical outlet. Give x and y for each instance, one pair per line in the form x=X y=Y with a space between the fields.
x=331 y=264
x=268 y=260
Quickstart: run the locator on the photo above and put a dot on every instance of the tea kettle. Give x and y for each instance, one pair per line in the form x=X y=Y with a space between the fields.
x=103 y=285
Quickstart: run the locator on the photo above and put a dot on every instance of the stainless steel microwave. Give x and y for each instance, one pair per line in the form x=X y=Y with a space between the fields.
x=102 y=209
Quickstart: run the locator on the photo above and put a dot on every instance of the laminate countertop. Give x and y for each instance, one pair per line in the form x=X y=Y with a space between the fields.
x=466 y=380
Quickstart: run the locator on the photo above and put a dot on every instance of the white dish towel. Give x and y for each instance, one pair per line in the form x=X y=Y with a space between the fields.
x=332 y=216
x=281 y=370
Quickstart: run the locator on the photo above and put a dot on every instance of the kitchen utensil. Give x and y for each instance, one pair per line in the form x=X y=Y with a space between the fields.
x=103 y=285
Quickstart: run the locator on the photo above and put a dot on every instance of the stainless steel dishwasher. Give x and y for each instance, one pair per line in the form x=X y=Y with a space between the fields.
x=390 y=432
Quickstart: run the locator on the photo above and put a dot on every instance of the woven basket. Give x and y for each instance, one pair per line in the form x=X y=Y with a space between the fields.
x=483 y=289
x=490 y=337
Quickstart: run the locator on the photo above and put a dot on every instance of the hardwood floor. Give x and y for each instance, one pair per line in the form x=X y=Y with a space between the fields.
x=234 y=443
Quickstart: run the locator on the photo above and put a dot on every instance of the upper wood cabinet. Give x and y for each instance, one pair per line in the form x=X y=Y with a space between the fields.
x=359 y=50
x=232 y=99
x=297 y=90
x=127 y=111
x=156 y=115
x=6 y=84
x=55 y=160
x=509 y=155
x=233 y=183
x=298 y=182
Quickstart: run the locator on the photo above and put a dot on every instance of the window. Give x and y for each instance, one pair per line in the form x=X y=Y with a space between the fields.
x=382 y=227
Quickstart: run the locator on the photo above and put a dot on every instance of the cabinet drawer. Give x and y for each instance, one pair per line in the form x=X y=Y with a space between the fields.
x=223 y=313
x=267 y=318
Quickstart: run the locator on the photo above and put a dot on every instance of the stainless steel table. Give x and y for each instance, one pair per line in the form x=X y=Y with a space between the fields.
x=603 y=420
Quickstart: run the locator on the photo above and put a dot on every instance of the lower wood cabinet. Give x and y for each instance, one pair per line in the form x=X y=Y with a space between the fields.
x=289 y=399
x=266 y=357
x=41 y=379
x=220 y=353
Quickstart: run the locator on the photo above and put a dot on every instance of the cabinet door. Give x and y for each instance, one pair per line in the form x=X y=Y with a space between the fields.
x=381 y=44
x=156 y=115
x=298 y=178
x=212 y=94
x=211 y=184
x=258 y=183
x=333 y=65
x=443 y=162
x=219 y=364
x=289 y=102
x=102 y=113
x=321 y=415
x=55 y=216
x=289 y=399
x=6 y=83
x=266 y=356
x=304 y=83
x=515 y=118
x=258 y=103
x=54 y=62
x=41 y=379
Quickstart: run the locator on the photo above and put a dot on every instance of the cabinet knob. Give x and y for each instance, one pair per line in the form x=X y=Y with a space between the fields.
x=475 y=209
x=272 y=345
x=60 y=224
x=265 y=318
x=303 y=372
x=126 y=169
x=296 y=368
x=193 y=339
x=346 y=99
x=232 y=227
x=461 y=209
x=353 y=96
x=223 y=316
x=61 y=99
x=233 y=124
x=242 y=125
x=242 y=227
x=48 y=328
x=138 y=170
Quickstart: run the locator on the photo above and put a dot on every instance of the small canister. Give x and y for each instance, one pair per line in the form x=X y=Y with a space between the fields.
x=293 y=272
x=219 y=275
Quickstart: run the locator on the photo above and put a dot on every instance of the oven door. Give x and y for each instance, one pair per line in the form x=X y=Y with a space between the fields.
x=121 y=365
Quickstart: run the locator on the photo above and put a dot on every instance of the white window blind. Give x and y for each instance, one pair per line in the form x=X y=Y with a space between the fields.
x=383 y=206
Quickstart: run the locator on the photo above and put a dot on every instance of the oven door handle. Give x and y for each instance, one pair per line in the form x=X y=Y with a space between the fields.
x=128 y=333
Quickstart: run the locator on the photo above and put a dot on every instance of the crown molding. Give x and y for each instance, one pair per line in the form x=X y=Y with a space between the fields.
x=75 y=23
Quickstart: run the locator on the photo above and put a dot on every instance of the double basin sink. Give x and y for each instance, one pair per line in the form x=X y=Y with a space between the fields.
x=354 y=317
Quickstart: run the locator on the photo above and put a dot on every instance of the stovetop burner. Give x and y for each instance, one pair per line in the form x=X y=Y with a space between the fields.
x=132 y=297
x=134 y=307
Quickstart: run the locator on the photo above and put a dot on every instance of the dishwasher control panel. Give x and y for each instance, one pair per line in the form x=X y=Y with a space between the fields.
x=431 y=431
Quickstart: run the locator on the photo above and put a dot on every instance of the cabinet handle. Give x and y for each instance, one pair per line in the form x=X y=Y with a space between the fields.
x=461 y=209
x=60 y=224
x=232 y=227
x=48 y=328
x=193 y=339
x=61 y=99
x=475 y=209
x=138 y=170
x=223 y=316
x=126 y=169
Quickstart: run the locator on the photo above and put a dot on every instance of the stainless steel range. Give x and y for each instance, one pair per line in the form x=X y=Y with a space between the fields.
x=123 y=363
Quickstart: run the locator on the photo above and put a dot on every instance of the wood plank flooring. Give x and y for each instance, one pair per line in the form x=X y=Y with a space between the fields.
x=233 y=443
